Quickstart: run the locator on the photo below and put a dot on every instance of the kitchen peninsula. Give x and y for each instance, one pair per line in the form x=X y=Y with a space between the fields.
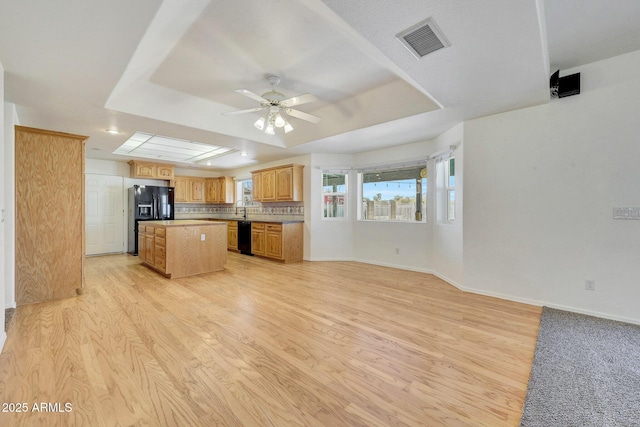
x=180 y=248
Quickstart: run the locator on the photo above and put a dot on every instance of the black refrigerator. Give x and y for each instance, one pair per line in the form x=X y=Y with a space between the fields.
x=148 y=203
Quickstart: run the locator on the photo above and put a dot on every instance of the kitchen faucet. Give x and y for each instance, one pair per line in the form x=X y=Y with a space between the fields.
x=244 y=210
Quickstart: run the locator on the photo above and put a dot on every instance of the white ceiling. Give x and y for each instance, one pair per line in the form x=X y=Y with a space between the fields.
x=171 y=67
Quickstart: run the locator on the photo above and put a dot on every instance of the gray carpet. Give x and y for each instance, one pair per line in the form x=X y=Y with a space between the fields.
x=586 y=372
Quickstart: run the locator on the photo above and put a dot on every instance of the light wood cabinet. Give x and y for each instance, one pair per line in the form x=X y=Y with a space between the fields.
x=256 y=186
x=149 y=245
x=269 y=186
x=49 y=215
x=189 y=189
x=180 y=194
x=196 y=190
x=160 y=252
x=151 y=170
x=257 y=238
x=283 y=242
x=141 y=242
x=165 y=172
x=220 y=190
x=232 y=235
x=185 y=247
x=279 y=184
x=273 y=241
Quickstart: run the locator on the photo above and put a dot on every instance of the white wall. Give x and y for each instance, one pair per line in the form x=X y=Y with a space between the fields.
x=332 y=240
x=446 y=240
x=540 y=186
x=376 y=242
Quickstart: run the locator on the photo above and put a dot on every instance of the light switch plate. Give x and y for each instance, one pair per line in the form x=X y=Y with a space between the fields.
x=203 y=237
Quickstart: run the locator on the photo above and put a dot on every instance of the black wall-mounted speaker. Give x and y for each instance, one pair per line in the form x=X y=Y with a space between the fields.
x=569 y=85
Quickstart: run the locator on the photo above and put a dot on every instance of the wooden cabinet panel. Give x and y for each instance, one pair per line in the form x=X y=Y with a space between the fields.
x=283 y=242
x=269 y=186
x=196 y=190
x=165 y=172
x=227 y=191
x=232 y=235
x=144 y=170
x=212 y=189
x=178 y=249
x=256 y=185
x=273 y=240
x=257 y=239
x=189 y=189
x=160 y=255
x=279 y=184
x=219 y=190
x=151 y=170
x=49 y=215
x=149 y=245
x=180 y=194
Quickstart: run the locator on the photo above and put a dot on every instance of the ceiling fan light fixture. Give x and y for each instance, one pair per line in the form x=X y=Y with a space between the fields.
x=269 y=130
x=279 y=121
x=260 y=122
x=287 y=127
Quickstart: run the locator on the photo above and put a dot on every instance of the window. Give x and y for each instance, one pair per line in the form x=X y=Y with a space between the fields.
x=243 y=192
x=394 y=194
x=334 y=194
x=446 y=186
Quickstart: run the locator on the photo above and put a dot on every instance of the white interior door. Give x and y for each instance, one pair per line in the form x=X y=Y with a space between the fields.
x=105 y=214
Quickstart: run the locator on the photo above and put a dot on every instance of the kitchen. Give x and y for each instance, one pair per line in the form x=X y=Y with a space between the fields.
x=152 y=208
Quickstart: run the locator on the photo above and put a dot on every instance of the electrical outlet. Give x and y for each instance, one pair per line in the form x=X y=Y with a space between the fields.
x=590 y=285
x=203 y=236
x=397 y=251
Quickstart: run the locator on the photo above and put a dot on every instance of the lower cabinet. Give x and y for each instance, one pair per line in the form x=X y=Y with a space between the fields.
x=232 y=235
x=183 y=248
x=160 y=249
x=257 y=238
x=146 y=244
x=283 y=242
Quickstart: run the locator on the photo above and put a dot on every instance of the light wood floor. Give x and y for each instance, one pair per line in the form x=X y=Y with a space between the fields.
x=265 y=344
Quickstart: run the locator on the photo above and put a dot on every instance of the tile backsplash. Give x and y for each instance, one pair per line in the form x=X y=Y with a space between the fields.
x=280 y=209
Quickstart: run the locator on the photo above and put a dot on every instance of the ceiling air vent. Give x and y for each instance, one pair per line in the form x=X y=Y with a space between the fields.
x=423 y=38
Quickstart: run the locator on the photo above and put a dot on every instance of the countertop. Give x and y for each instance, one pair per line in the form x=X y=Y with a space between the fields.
x=178 y=223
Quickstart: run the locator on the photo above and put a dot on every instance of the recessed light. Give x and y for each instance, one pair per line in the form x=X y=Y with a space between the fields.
x=113 y=131
x=243 y=153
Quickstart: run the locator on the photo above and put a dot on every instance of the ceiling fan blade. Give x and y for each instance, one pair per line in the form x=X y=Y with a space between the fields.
x=251 y=95
x=297 y=100
x=302 y=115
x=250 y=110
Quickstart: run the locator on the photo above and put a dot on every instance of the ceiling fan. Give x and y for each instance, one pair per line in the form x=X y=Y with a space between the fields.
x=276 y=108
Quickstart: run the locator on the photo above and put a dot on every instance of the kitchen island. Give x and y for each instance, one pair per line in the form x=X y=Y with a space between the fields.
x=181 y=248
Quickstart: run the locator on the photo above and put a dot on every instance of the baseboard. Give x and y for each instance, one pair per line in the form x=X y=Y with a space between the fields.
x=528 y=301
x=540 y=303
x=449 y=281
x=594 y=314
x=321 y=259
x=400 y=267
x=3 y=338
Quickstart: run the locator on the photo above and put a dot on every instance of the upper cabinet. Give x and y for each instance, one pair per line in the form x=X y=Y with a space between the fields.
x=219 y=190
x=188 y=189
x=191 y=189
x=278 y=184
x=151 y=170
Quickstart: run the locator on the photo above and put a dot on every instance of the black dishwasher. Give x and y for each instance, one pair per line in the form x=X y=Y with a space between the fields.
x=244 y=237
